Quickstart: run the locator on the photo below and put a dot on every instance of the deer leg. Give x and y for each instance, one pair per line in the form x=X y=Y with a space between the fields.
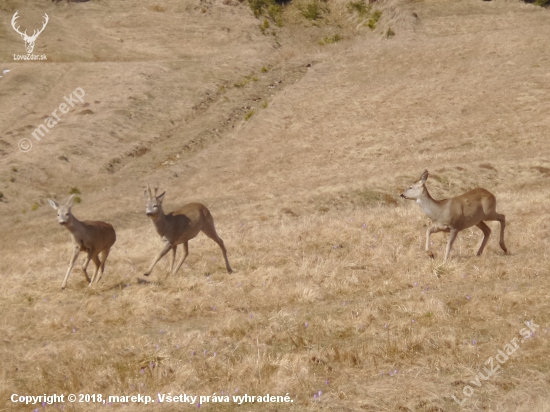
x=486 y=233
x=185 y=253
x=433 y=229
x=173 y=258
x=85 y=265
x=97 y=264
x=211 y=233
x=502 y=221
x=452 y=238
x=104 y=255
x=71 y=264
x=164 y=251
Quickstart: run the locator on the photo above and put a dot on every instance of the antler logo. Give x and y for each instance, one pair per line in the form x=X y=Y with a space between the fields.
x=29 y=40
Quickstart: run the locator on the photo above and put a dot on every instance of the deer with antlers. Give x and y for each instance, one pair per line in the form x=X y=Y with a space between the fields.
x=457 y=213
x=29 y=40
x=179 y=227
x=93 y=237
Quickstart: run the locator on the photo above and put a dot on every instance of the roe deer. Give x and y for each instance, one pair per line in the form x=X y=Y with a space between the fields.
x=179 y=227
x=92 y=237
x=457 y=213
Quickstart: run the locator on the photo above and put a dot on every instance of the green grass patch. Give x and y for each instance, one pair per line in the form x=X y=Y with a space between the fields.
x=249 y=115
x=74 y=191
x=312 y=11
x=360 y=7
x=371 y=24
x=329 y=40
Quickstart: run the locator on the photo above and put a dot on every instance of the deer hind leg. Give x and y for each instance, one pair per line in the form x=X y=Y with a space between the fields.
x=486 y=233
x=433 y=229
x=502 y=220
x=85 y=265
x=71 y=264
x=210 y=231
x=104 y=254
x=185 y=254
x=452 y=238
x=173 y=257
x=164 y=251
x=97 y=264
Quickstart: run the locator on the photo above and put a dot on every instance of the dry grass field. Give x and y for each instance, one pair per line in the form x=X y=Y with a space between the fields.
x=299 y=139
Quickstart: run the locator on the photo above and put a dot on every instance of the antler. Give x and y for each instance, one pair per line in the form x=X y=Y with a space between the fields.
x=24 y=34
x=37 y=32
x=149 y=191
x=156 y=189
x=14 y=18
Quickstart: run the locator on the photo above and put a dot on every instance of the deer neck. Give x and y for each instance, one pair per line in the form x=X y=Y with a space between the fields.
x=74 y=225
x=429 y=206
x=161 y=223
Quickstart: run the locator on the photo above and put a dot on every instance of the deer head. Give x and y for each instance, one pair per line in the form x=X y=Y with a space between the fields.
x=29 y=40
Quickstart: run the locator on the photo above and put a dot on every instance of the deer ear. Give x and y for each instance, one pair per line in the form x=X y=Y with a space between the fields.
x=160 y=197
x=424 y=176
x=70 y=201
x=53 y=204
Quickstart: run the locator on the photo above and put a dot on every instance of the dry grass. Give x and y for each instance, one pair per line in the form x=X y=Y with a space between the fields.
x=332 y=291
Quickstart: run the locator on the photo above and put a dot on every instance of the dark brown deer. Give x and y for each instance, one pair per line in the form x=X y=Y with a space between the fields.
x=179 y=227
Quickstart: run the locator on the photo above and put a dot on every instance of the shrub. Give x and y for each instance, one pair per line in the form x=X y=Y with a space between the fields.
x=312 y=11
x=276 y=13
x=249 y=115
x=389 y=33
x=258 y=6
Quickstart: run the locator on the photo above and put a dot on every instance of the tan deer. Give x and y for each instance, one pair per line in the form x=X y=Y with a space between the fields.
x=92 y=237
x=179 y=227
x=457 y=213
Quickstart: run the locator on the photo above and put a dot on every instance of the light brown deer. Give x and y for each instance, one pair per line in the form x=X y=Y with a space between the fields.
x=179 y=227
x=457 y=213
x=92 y=237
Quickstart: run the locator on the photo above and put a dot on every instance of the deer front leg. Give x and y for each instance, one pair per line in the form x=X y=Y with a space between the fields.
x=452 y=238
x=433 y=229
x=71 y=264
x=164 y=251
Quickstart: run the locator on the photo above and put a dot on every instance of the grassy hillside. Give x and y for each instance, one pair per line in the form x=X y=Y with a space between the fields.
x=300 y=147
